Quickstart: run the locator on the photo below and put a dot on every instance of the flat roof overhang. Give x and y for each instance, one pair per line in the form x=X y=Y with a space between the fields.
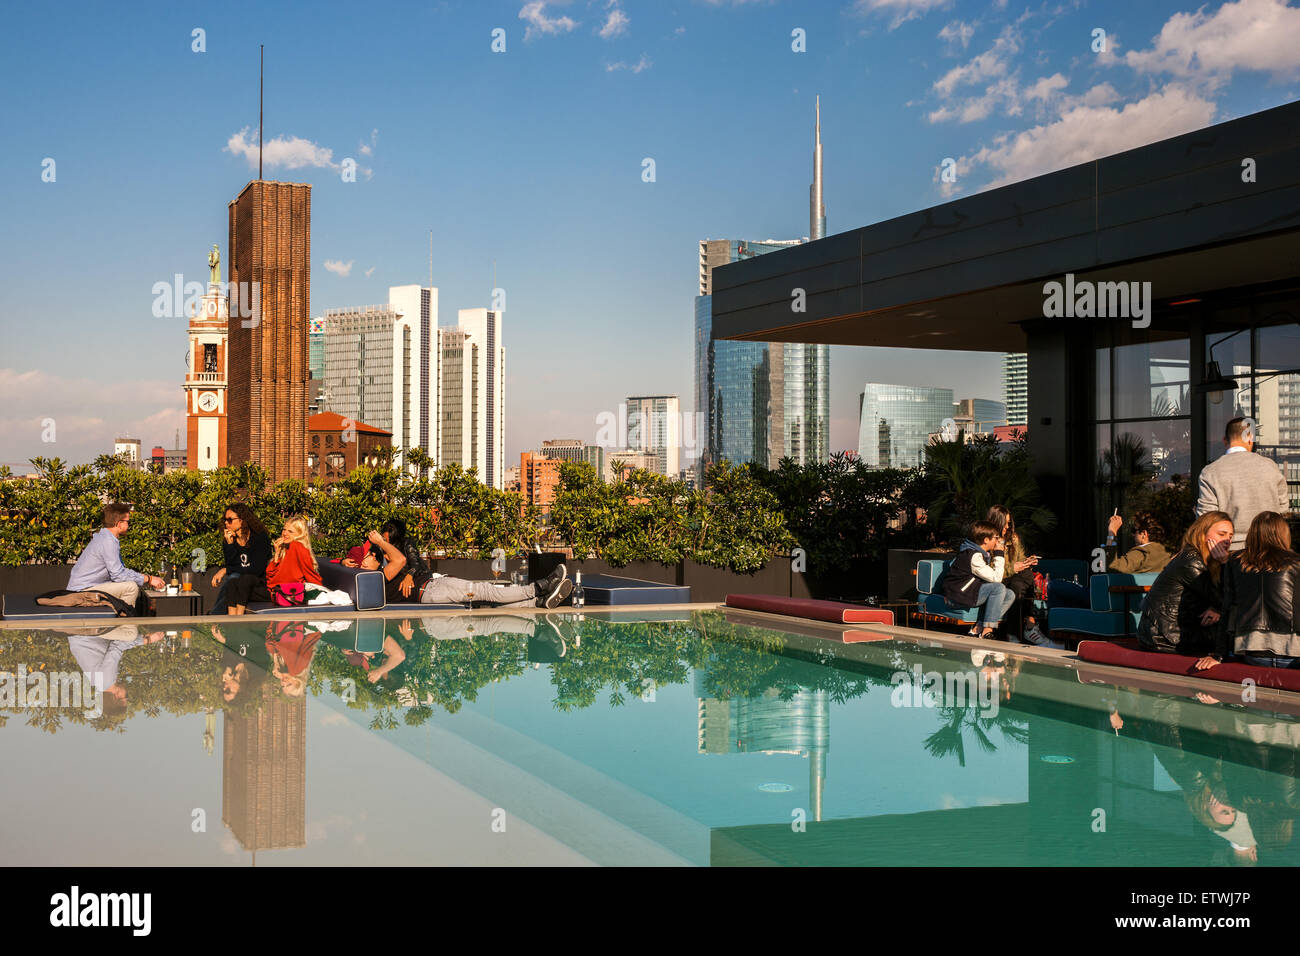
x=963 y=275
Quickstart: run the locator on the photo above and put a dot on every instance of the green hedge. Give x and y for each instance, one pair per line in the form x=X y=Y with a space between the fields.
x=49 y=520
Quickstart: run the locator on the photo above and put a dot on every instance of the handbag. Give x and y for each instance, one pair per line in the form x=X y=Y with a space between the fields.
x=291 y=594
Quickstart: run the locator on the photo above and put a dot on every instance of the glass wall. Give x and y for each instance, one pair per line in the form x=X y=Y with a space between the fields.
x=1264 y=359
x=1143 y=423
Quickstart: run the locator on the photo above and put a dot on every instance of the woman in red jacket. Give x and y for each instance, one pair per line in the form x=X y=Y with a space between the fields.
x=292 y=560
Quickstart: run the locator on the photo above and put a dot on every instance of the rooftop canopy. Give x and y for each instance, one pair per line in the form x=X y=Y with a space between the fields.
x=1177 y=213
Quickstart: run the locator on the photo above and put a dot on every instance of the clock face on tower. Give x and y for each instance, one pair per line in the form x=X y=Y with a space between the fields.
x=208 y=401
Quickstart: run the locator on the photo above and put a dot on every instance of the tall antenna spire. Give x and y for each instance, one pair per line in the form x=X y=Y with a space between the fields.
x=430 y=258
x=261 y=74
x=816 y=208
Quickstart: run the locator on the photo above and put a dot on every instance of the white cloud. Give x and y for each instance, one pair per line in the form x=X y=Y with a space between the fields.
x=615 y=24
x=339 y=267
x=539 y=24
x=370 y=272
x=957 y=33
x=993 y=62
x=642 y=64
x=369 y=148
x=1046 y=87
x=1084 y=133
x=88 y=413
x=900 y=10
x=1261 y=35
x=680 y=30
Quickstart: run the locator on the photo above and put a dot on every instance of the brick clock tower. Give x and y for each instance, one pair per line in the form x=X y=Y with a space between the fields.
x=205 y=379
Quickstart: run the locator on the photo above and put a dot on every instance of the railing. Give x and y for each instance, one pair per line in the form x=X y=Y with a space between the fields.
x=214 y=377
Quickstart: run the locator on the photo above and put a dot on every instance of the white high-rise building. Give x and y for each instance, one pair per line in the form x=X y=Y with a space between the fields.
x=653 y=425
x=1015 y=387
x=439 y=390
x=471 y=395
x=415 y=368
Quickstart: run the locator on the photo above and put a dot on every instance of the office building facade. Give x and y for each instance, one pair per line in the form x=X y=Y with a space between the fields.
x=654 y=426
x=361 y=363
x=471 y=395
x=895 y=423
x=761 y=401
x=270 y=251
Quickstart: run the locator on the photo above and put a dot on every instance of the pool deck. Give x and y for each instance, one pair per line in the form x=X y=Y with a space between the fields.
x=805 y=635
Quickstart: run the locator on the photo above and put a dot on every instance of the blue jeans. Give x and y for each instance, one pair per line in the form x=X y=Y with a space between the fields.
x=219 y=605
x=993 y=600
x=1270 y=661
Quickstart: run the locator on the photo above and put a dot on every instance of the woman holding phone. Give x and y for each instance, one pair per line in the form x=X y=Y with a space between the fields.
x=1019 y=575
x=1183 y=612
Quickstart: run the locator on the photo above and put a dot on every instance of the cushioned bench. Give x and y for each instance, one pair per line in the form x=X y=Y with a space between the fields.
x=1103 y=652
x=365 y=588
x=930 y=603
x=612 y=589
x=1105 y=616
x=832 y=612
x=23 y=607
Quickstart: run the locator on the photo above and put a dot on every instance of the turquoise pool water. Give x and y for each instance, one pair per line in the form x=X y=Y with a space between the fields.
x=618 y=738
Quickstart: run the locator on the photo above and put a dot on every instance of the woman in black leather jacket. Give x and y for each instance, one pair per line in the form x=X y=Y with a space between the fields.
x=1259 y=588
x=1184 y=608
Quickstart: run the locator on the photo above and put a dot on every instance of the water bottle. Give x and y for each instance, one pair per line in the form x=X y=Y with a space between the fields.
x=577 y=589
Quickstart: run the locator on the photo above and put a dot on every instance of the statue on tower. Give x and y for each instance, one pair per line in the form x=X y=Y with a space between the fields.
x=214 y=264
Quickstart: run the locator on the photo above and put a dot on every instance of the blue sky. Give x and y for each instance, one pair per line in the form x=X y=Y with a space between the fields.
x=531 y=160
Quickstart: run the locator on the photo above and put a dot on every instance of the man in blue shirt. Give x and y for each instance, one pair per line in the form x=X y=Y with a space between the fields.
x=100 y=566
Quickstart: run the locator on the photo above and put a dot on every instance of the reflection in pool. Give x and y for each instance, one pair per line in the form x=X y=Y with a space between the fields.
x=679 y=737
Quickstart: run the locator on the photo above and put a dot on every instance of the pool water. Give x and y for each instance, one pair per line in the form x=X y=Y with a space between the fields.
x=668 y=738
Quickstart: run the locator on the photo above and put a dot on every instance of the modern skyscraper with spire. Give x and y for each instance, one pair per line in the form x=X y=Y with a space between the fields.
x=761 y=401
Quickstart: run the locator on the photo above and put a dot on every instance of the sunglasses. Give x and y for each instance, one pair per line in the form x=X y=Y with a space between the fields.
x=227 y=519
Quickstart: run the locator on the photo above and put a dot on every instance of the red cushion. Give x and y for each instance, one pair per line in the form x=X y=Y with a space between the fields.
x=1103 y=652
x=833 y=612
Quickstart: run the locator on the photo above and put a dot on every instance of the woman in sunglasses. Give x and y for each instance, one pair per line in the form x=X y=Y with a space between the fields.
x=247 y=550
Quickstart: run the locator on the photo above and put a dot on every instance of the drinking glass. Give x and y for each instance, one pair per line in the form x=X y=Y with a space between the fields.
x=187 y=581
x=517 y=578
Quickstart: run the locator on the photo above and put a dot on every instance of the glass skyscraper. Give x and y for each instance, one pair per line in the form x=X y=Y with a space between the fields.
x=895 y=423
x=759 y=401
x=1015 y=387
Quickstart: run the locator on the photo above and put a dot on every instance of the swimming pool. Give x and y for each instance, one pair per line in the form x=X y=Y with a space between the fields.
x=692 y=737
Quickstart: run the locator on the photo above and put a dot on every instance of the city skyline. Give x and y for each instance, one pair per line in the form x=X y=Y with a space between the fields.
x=1006 y=92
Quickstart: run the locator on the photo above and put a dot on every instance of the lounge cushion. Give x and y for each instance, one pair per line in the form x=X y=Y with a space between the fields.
x=22 y=607
x=365 y=588
x=833 y=612
x=928 y=573
x=936 y=604
x=1103 y=652
x=613 y=589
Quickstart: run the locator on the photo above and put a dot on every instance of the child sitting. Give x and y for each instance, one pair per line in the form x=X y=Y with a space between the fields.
x=975 y=578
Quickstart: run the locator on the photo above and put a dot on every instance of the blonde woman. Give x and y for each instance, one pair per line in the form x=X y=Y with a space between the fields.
x=292 y=560
x=1183 y=613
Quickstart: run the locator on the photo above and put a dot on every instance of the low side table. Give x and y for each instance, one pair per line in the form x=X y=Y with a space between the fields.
x=184 y=604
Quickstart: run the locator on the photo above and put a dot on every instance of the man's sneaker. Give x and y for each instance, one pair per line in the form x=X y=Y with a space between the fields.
x=547 y=584
x=559 y=635
x=1036 y=637
x=556 y=595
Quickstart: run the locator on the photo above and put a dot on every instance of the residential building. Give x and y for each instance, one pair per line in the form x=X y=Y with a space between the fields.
x=1015 y=387
x=337 y=445
x=539 y=478
x=471 y=395
x=166 y=460
x=130 y=449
